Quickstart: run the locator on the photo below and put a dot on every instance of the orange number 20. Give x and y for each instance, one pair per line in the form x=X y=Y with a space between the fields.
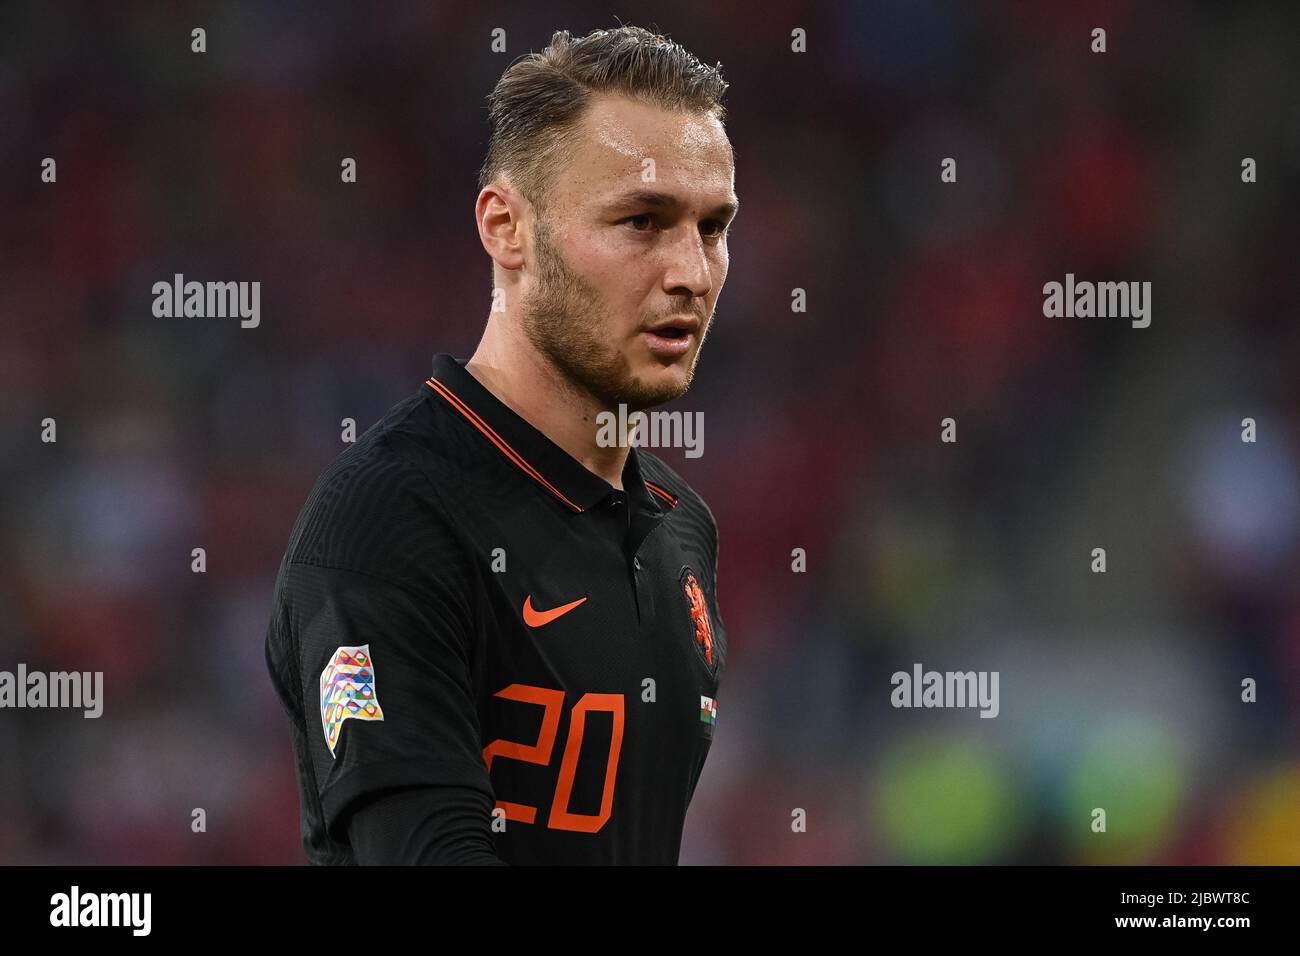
x=540 y=753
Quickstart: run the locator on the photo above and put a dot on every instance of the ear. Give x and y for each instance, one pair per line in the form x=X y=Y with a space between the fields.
x=499 y=212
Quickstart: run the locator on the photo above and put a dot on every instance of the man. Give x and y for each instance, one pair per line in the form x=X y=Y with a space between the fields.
x=497 y=636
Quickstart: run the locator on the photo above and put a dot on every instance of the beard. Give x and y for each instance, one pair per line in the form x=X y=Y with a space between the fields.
x=564 y=320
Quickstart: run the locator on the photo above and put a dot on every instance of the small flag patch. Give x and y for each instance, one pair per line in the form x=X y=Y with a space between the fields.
x=347 y=689
x=708 y=711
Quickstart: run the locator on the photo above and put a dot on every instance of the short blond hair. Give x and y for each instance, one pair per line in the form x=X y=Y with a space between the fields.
x=535 y=110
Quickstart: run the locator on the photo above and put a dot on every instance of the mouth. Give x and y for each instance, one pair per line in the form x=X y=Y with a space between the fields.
x=672 y=338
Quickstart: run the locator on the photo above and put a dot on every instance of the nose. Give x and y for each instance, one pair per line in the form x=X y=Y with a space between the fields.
x=687 y=271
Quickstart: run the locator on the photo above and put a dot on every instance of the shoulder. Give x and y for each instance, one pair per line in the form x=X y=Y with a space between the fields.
x=693 y=522
x=690 y=509
x=378 y=507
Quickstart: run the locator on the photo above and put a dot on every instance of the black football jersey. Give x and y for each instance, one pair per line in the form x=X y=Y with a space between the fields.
x=462 y=602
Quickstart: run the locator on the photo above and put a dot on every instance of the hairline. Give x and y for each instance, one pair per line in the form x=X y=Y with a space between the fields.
x=549 y=171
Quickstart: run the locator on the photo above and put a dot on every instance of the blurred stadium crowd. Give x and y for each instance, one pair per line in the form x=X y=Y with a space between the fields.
x=1119 y=690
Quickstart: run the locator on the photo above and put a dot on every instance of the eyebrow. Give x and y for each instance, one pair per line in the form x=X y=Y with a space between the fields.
x=643 y=197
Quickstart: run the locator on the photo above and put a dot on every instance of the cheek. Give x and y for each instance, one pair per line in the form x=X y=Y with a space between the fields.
x=605 y=266
x=624 y=278
x=721 y=265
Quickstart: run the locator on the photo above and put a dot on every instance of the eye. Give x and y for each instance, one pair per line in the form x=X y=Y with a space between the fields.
x=717 y=228
x=645 y=216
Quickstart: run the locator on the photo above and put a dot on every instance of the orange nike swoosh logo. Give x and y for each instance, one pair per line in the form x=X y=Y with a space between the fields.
x=535 y=618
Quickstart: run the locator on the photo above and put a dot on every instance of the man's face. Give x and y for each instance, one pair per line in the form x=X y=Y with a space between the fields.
x=627 y=268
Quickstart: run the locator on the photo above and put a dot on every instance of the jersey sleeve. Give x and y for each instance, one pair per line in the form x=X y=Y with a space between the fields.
x=387 y=692
x=424 y=826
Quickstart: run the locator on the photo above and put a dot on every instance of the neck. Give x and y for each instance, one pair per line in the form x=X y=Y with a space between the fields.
x=511 y=369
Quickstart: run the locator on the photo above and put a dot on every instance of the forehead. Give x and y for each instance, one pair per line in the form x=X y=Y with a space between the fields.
x=691 y=152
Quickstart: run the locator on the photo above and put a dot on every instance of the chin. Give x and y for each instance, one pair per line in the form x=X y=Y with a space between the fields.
x=657 y=384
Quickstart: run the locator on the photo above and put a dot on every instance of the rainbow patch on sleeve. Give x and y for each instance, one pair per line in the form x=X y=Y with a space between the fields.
x=347 y=690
